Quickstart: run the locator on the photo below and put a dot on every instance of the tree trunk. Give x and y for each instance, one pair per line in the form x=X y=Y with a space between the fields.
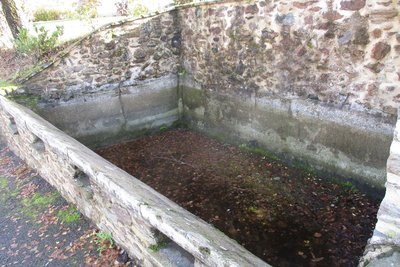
x=12 y=15
x=6 y=38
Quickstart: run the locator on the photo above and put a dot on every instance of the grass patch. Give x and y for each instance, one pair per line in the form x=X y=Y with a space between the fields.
x=158 y=246
x=163 y=128
x=5 y=191
x=26 y=72
x=7 y=87
x=36 y=204
x=3 y=183
x=305 y=168
x=258 y=151
x=253 y=209
x=104 y=241
x=178 y=124
x=29 y=101
x=69 y=215
x=347 y=185
x=162 y=241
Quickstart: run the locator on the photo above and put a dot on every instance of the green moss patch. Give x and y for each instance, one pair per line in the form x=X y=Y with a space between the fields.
x=37 y=203
x=69 y=215
x=7 y=87
x=258 y=151
x=29 y=101
x=3 y=183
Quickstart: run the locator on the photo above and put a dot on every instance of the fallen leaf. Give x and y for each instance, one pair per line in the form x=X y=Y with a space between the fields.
x=317 y=235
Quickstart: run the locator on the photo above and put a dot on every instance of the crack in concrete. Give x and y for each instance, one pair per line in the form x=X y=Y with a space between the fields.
x=123 y=126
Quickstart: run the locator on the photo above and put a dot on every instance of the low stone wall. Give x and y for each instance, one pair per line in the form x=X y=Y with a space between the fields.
x=116 y=202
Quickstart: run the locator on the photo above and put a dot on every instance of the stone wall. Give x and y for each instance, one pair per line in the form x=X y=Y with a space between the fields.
x=114 y=57
x=345 y=53
x=311 y=80
x=383 y=248
x=136 y=215
x=119 y=80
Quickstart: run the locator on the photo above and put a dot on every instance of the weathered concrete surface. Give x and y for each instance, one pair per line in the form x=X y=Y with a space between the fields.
x=119 y=114
x=115 y=201
x=383 y=255
x=390 y=260
x=384 y=246
x=333 y=140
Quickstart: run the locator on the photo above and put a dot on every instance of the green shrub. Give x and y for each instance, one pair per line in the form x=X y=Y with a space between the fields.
x=47 y=15
x=25 y=43
x=87 y=8
x=181 y=2
x=38 y=45
x=70 y=15
x=104 y=241
x=139 y=10
x=46 y=41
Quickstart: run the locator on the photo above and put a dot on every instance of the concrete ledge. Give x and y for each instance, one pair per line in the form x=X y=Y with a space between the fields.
x=112 y=116
x=333 y=140
x=114 y=200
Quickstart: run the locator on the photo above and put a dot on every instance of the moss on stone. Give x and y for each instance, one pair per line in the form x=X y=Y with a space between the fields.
x=7 y=87
x=193 y=98
x=205 y=250
x=156 y=247
x=27 y=100
x=162 y=241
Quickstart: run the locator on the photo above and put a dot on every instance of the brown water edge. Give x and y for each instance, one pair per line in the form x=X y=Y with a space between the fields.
x=284 y=215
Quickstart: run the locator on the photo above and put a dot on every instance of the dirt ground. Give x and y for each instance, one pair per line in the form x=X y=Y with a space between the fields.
x=39 y=228
x=286 y=216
